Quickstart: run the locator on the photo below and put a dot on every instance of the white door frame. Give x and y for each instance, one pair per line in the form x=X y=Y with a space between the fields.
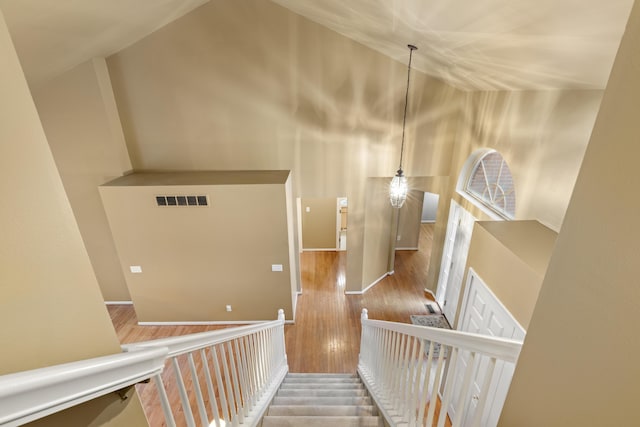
x=454 y=259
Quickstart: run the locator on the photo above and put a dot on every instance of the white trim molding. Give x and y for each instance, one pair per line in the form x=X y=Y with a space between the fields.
x=118 y=302
x=31 y=395
x=378 y=280
x=320 y=250
x=430 y=292
x=408 y=249
x=203 y=322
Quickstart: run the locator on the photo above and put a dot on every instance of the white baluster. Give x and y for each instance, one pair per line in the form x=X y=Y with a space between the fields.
x=399 y=371
x=415 y=398
x=435 y=385
x=448 y=389
x=250 y=366
x=196 y=386
x=220 y=384
x=164 y=401
x=184 y=399
x=242 y=374
x=411 y=380
x=236 y=385
x=213 y=401
x=230 y=396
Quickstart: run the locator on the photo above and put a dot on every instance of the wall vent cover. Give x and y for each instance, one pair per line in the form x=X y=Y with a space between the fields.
x=182 y=200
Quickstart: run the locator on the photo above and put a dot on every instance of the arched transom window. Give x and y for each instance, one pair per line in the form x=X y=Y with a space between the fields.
x=491 y=183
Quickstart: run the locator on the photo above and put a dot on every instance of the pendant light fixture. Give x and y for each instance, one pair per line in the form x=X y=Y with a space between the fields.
x=399 y=187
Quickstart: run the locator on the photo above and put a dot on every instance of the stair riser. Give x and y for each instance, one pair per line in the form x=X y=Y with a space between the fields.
x=322 y=380
x=321 y=386
x=315 y=375
x=323 y=410
x=280 y=400
x=305 y=392
x=270 y=421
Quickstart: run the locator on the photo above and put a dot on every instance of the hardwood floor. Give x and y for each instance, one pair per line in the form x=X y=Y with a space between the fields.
x=326 y=335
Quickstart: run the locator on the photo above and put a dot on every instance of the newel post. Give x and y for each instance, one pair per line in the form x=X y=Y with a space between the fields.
x=364 y=315
x=281 y=315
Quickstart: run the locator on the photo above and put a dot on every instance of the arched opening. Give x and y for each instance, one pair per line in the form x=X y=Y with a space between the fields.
x=487 y=182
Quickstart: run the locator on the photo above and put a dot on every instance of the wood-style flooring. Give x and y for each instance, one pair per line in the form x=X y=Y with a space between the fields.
x=326 y=334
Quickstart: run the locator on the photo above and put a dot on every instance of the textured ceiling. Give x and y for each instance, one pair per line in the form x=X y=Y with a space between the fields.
x=471 y=44
x=53 y=36
x=486 y=44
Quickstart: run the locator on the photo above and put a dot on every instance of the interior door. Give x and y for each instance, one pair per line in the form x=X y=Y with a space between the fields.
x=457 y=261
x=483 y=313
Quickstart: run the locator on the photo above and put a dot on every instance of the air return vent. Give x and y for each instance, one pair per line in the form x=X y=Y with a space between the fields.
x=182 y=200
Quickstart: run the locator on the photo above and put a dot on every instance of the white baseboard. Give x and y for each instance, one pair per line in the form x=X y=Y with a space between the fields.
x=209 y=322
x=378 y=280
x=430 y=292
x=429 y=221
x=118 y=302
x=408 y=249
x=320 y=250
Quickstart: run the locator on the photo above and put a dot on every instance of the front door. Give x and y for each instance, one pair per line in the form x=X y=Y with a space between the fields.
x=454 y=259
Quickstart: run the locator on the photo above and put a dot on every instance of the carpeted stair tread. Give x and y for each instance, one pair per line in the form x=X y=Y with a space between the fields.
x=316 y=375
x=311 y=392
x=314 y=385
x=288 y=400
x=325 y=410
x=289 y=380
x=319 y=421
x=315 y=400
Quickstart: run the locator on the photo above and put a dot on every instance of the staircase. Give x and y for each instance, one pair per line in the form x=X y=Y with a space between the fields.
x=312 y=400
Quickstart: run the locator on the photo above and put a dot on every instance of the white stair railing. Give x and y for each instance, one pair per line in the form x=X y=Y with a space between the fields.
x=234 y=374
x=405 y=378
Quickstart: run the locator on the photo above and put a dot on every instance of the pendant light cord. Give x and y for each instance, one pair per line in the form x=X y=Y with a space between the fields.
x=406 y=102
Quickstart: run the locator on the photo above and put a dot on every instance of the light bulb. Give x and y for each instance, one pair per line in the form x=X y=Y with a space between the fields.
x=398 y=190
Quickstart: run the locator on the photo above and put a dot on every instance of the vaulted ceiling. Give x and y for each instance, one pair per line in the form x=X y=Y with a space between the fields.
x=472 y=45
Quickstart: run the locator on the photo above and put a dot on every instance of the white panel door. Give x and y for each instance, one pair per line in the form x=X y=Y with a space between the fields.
x=483 y=313
x=456 y=261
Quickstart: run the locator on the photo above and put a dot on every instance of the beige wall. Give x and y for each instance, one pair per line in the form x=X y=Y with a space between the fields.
x=379 y=234
x=511 y=258
x=250 y=85
x=319 y=224
x=47 y=282
x=542 y=136
x=579 y=362
x=81 y=123
x=197 y=260
x=410 y=216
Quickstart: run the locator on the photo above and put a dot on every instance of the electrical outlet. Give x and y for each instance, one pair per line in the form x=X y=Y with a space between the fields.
x=228 y=308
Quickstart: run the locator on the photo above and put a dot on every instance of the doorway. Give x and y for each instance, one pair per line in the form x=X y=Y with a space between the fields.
x=341 y=229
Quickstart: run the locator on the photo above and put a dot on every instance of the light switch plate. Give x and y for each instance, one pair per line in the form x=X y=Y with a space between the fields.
x=135 y=268
x=276 y=267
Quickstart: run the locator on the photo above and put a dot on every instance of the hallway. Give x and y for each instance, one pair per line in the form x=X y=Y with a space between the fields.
x=326 y=336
